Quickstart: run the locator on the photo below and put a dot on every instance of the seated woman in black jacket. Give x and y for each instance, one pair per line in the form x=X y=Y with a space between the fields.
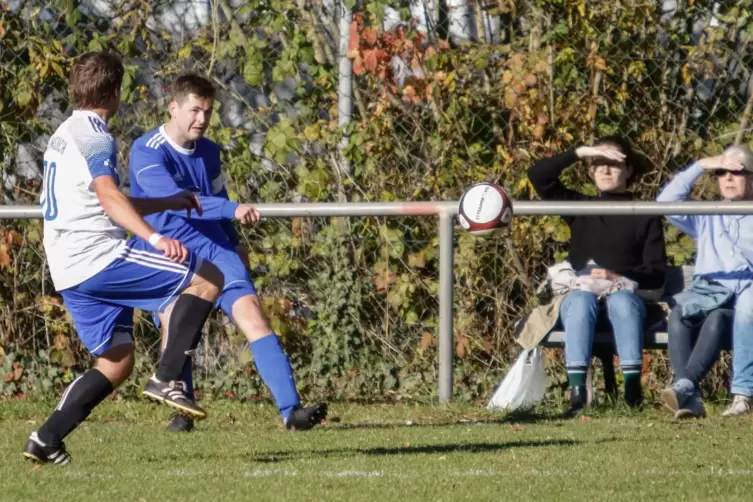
x=616 y=248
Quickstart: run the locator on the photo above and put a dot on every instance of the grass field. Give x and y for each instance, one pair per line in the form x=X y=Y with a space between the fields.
x=384 y=452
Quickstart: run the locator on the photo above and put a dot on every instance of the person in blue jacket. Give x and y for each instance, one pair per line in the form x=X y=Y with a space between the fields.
x=174 y=157
x=722 y=280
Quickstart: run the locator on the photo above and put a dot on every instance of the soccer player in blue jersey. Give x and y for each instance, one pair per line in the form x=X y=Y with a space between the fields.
x=176 y=157
x=101 y=276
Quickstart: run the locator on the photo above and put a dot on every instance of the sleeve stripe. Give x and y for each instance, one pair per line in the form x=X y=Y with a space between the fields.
x=144 y=169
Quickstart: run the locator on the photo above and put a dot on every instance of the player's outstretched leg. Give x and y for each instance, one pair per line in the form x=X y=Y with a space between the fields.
x=273 y=364
x=78 y=401
x=189 y=313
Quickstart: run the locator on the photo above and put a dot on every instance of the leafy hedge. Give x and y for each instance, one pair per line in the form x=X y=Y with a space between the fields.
x=355 y=301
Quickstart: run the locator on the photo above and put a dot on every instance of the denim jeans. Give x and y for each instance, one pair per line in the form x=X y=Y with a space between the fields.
x=694 y=345
x=626 y=312
x=742 y=344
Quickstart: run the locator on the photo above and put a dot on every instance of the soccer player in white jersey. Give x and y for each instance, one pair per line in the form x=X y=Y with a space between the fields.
x=101 y=276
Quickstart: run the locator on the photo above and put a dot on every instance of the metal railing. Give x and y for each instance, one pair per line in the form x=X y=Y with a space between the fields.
x=446 y=211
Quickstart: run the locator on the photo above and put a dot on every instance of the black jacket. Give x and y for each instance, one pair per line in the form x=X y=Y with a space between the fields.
x=630 y=245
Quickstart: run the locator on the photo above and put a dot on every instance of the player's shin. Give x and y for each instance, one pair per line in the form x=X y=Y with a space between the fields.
x=77 y=402
x=183 y=334
x=275 y=370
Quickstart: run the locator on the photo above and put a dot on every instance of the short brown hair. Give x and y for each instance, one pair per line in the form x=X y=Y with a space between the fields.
x=191 y=83
x=95 y=79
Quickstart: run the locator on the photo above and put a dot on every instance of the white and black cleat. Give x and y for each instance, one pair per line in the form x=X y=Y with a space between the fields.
x=39 y=452
x=174 y=394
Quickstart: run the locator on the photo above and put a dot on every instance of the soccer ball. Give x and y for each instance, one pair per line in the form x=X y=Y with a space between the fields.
x=484 y=209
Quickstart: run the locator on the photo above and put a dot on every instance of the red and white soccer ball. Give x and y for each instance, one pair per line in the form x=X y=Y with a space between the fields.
x=484 y=209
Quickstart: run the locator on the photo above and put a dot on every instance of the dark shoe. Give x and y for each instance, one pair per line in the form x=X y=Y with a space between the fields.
x=180 y=423
x=174 y=394
x=37 y=451
x=634 y=393
x=692 y=408
x=303 y=419
x=578 y=401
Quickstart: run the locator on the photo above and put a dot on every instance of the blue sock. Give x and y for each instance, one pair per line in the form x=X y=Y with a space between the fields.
x=187 y=377
x=274 y=368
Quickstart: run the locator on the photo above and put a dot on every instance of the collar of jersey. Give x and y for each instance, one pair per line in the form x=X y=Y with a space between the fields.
x=178 y=148
x=87 y=113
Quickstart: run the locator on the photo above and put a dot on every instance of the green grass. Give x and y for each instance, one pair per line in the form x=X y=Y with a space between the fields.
x=385 y=452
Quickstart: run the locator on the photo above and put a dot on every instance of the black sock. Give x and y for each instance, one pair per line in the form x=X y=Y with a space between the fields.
x=78 y=401
x=183 y=334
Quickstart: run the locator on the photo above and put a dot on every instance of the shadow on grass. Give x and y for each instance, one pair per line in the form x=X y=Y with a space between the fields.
x=282 y=456
x=523 y=417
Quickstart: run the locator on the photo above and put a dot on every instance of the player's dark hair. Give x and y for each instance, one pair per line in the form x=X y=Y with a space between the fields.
x=191 y=83
x=95 y=80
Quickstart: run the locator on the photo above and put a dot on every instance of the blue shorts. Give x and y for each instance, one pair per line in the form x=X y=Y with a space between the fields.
x=141 y=277
x=238 y=282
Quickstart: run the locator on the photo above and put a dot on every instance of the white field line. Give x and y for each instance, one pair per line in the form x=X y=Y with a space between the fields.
x=470 y=473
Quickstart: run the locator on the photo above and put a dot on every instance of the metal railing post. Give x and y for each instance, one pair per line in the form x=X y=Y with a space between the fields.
x=446 y=276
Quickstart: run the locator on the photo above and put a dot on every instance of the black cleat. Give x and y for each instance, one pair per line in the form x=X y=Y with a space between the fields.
x=39 y=452
x=303 y=419
x=180 y=423
x=174 y=394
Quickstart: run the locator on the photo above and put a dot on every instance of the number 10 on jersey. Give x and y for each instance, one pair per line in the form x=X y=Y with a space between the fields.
x=49 y=202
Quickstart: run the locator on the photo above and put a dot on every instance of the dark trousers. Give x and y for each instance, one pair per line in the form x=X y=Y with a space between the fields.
x=695 y=344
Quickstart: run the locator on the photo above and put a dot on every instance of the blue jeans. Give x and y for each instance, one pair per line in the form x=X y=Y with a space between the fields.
x=695 y=344
x=626 y=312
x=742 y=344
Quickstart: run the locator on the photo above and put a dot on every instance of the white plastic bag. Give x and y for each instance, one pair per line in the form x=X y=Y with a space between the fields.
x=524 y=385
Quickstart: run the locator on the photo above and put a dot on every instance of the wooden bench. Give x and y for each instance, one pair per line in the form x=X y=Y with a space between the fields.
x=654 y=334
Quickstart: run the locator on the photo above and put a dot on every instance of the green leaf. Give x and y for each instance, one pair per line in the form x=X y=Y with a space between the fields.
x=236 y=36
x=185 y=51
x=23 y=97
x=127 y=47
x=225 y=49
x=96 y=44
x=253 y=70
x=72 y=16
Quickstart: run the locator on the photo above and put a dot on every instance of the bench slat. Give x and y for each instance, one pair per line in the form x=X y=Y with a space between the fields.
x=651 y=339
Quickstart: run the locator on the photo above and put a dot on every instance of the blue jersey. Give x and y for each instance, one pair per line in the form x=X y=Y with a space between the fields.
x=160 y=168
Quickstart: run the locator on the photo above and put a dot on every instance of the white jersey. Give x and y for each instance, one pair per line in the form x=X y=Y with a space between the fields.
x=80 y=240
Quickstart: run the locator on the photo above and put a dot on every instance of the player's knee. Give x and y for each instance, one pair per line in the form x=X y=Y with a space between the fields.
x=117 y=363
x=208 y=281
x=249 y=315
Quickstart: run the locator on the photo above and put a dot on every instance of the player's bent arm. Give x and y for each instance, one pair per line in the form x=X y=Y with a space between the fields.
x=157 y=182
x=180 y=201
x=119 y=207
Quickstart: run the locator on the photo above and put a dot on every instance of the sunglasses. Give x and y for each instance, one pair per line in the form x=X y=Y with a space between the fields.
x=606 y=163
x=724 y=172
